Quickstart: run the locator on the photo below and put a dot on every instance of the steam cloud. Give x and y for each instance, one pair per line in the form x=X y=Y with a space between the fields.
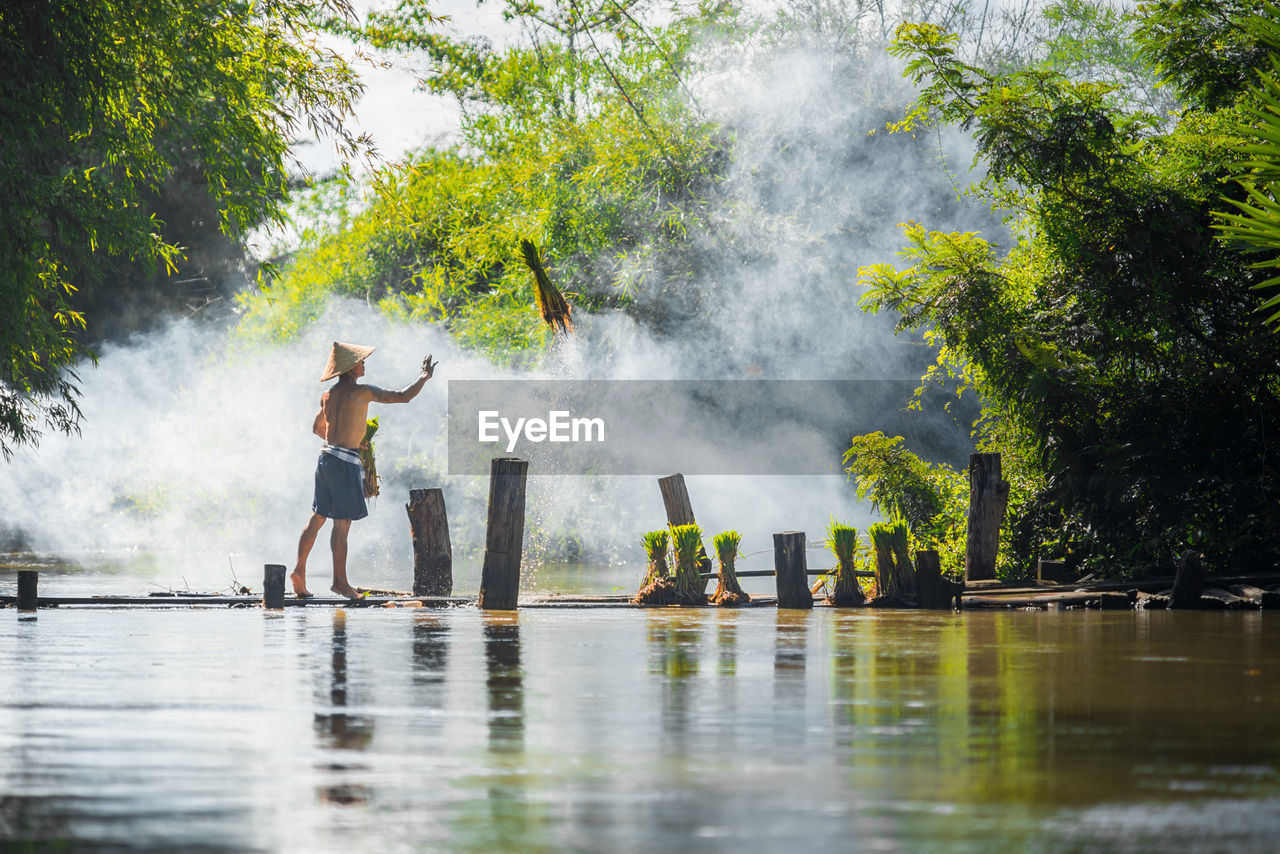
x=201 y=451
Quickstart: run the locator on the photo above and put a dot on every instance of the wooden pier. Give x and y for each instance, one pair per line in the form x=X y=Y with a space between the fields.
x=926 y=588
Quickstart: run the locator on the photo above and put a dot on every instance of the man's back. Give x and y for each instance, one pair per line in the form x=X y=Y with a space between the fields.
x=345 y=408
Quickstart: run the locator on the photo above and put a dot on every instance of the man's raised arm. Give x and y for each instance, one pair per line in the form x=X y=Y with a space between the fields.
x=408 y=393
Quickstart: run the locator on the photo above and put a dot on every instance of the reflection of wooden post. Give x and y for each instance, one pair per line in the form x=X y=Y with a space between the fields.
x=432 y=552
x=988 y=495
x=273 y=586
x=28 y=582
x=504 y=539
x=675 y=497
x=792 y=575
x=1188 y=584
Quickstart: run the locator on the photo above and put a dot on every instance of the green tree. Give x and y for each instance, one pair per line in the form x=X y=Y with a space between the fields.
x=102 y=102
x=1112 y=347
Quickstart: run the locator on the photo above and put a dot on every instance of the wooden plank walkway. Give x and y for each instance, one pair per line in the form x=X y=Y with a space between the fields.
x=405 y=600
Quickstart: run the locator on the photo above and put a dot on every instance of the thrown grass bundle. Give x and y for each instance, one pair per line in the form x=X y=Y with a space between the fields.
x=366 y=458
x=551 y=303
x=690 y=590
x=843 y=541
x=658 y=588
x=728 y=591
x=895 y=579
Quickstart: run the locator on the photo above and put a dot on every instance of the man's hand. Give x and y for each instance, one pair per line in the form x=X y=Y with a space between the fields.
x=428 y=366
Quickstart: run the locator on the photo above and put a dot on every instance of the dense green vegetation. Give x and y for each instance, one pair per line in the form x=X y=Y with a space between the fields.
x=107 y=109
x=572 y=142
x=1116 y=350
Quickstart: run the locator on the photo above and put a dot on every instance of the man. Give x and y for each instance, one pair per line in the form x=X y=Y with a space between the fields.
x=339 y=491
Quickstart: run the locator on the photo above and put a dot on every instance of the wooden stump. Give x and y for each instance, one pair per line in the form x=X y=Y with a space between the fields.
x=504 y=537
x=988 y=496
x=933 y=591
x=792 y=574
x=1114 y=601
x=675 y=498
x=1053 y=570
x=273 y=587
x=1188 y=584
x=28 y=583
x=432 y=551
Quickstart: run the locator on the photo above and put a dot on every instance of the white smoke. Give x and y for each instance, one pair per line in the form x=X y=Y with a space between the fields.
x=201 y=450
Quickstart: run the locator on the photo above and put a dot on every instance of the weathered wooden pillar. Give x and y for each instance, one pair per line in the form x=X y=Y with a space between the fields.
x=675 y=498
x=791 y=573
x=1188 y=584
x=1054 y=571
x=432 y=552
x=504 y=538
x=988 y=495
x=28 y=583
x=932 y=590
x=1114 y=601
x=273 y=586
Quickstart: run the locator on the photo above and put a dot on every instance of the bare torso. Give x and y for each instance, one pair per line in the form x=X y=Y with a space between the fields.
x=345 y=407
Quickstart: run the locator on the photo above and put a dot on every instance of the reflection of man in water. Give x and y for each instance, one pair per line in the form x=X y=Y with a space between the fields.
x=339 y=491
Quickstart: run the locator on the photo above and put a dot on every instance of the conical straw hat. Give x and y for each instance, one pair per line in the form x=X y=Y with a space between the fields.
x=343 y=357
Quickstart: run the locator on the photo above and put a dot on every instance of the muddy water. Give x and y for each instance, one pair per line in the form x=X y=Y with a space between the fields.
x=632 y=731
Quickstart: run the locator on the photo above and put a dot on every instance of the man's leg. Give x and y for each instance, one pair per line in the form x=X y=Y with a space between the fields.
x=305 y=542
x=338 y=542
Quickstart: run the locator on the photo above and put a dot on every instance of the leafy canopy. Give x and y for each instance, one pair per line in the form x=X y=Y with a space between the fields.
x=100 y=102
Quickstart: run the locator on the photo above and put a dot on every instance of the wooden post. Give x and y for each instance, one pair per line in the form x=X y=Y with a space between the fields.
x=675 y=498
x=28 y=582
x=432 y=552
x=504 y=538
x=988 y=495
x=1188 y=584
x=792 y=574
x=273 y=586
x=1114 y=601
x=1054 y=571
x=932 y=590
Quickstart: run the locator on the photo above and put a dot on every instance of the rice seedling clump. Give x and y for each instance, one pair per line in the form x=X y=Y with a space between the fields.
x=728 y=591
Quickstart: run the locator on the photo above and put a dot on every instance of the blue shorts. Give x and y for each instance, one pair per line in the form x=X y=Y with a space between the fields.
x=339 y=489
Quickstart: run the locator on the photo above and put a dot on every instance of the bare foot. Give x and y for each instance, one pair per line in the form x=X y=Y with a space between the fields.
x=346 y=590
x=299 y=585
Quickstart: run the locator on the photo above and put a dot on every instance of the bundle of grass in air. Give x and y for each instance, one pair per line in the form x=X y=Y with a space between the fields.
x=690 y=589
x=895 y=582
x=728 y=591
x=843 y=540
x=658 y=588
x=366 y=458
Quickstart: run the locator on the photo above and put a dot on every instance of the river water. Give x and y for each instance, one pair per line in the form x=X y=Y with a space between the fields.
x=618 y=730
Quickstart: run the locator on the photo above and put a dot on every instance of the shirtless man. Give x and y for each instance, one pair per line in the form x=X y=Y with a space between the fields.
x=339 y=491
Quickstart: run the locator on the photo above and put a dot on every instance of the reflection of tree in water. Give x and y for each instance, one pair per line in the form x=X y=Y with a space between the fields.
x=674 y=646
x=338 y=730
